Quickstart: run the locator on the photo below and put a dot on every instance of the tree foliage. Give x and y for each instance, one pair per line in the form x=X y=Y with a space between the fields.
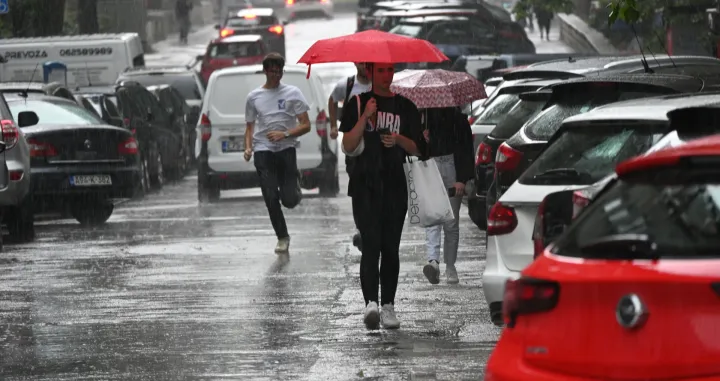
x=523 y=8
x=33 y=18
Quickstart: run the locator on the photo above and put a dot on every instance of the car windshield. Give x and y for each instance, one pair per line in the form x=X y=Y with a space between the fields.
x=679 y=220
x=514 y=119
x=544 y=126
x=249 y=21
x=409 y=30
x=55 y=113
x=184 y=83
x=496 y=110
x=227 y=50
x=585 y=155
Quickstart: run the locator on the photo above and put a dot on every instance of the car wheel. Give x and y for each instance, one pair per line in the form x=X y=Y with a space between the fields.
x=92 y=213
x=477 y=213
x=21 y=221
x=159 y=178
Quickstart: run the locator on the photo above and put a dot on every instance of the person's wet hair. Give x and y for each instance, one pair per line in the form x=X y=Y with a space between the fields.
x=273 y=60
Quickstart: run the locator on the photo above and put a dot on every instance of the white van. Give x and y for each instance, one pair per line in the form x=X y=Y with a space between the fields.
x=91 y=60
x=223 y=120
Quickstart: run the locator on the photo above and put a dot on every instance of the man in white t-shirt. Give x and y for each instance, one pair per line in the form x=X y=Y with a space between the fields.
x=343 y=91
x=271 y=136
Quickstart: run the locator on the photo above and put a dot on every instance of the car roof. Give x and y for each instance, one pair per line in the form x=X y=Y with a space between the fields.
x=429 y=19
x=238 y=38
x=425 y=12
x=19 y=86
x=39 y=97
x=653 y=108
x=141 y=70
x=254 y=11
x=679 y=83
x=703 y=147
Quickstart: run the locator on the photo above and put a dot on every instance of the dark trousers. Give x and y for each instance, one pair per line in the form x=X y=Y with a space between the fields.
x=544 y=26
x=380 y=221
x=279 y=184
x=349 y=165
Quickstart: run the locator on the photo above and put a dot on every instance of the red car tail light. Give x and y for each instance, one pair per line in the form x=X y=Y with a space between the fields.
x=277 y=29
x=16 y=175
x=507 y=158
x=10 y=133
x=482 y=156
x=38 y=149
x=128 y=147
x=290 y=2
x=528 y=296
x=501 y=220
x=226 y=32
x=321 y=124
x=538 y=236
x=205 y=128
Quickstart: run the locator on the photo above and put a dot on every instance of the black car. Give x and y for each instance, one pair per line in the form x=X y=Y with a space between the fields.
x=571 y=98
x=159 y=134
x=105 y=104
x=184 y=79
x=179 y=111
x=78 y=162
x=261 y=21
x=368 y=9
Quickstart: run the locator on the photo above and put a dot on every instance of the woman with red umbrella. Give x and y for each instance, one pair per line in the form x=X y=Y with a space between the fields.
x=380 y=129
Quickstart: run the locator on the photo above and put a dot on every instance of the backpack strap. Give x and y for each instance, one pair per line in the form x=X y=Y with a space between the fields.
x=348 y=88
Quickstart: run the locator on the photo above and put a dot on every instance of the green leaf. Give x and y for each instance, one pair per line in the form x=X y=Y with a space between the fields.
x=632 y=15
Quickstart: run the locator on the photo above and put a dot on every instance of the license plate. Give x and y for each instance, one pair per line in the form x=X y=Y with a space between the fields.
x=233 y=146
x=90 y=180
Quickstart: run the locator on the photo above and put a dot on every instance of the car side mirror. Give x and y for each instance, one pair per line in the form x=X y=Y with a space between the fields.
x=27 y=119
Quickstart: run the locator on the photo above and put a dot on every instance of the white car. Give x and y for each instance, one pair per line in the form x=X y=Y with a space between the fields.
x=220 y=140
x=325 y=8
x=584 y=151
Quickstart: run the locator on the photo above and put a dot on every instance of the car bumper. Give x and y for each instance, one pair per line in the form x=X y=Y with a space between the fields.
x=54 y=182
x=14 y=192
x=495 y=274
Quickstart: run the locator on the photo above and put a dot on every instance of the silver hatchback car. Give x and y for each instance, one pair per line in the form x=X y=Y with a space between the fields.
x=16 y=202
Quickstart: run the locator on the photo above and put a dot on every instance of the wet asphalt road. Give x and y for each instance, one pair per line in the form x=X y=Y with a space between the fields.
x=171 y=290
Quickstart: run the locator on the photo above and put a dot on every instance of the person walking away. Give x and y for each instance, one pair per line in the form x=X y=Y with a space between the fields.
x=271 y=136
x=450 y=143
x=182 y=14
x=544 y=17
x=344 y=89
x=380 y=129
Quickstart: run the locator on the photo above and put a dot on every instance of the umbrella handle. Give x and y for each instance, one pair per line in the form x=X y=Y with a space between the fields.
x=308 y=73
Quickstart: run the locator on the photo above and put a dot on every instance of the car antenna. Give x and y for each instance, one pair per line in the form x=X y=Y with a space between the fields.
x=24 y=93
x=643 y=60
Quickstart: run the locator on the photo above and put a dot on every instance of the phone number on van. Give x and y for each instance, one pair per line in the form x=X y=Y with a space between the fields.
x=86 y=52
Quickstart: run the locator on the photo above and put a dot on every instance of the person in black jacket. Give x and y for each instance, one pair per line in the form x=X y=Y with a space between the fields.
x=450 y=143
x=380 y=129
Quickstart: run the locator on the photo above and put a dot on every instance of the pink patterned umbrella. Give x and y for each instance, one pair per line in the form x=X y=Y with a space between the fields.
x=437 y=88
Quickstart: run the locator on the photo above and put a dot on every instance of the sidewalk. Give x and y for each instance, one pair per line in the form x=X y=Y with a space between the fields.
x=170 y=52
x=544 y=46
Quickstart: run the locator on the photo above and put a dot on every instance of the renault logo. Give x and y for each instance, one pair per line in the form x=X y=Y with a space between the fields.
x=88 y=144
x=631 y=312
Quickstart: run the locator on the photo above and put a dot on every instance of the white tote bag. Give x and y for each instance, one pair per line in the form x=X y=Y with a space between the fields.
x=428 y=201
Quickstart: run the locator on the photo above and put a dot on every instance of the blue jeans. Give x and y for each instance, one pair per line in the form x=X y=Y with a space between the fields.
x=446 y=166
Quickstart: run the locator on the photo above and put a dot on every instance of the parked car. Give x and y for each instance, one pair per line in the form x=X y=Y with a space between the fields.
x=186 y=80
x=52 y=88
x=296 y=8
x=77 y=161
x=257 y=21
x=178 y=111
x=221 y=131
x=246 y=49
x=16 y=199
x=637 y=268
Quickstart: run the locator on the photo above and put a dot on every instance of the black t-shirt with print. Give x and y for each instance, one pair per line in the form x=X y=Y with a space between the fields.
x=380 y=169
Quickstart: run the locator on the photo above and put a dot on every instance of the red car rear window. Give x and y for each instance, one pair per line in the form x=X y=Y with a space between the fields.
x=235 y=50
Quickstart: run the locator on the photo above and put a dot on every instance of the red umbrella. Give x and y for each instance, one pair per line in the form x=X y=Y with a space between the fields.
x=372 y=46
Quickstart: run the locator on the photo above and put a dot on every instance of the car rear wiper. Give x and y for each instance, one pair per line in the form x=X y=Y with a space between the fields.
x=563 y=172
x=622 y=246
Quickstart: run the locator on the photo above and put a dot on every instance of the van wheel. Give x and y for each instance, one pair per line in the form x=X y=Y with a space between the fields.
x=92 y=213
x=21 y=221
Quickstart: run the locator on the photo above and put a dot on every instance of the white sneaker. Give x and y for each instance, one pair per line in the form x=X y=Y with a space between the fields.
x=282 y=246
x=388 y=317
x=372 y=316
x=432 y=272
x=451 y=274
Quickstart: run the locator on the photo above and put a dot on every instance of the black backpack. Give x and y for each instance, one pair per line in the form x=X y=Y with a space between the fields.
x=349 y=161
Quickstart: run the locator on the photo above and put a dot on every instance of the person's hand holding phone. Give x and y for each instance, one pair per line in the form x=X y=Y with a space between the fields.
x=388 y=138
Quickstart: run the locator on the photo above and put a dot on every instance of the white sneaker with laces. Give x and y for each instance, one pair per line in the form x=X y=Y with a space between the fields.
x=372 y=316
x=451 y=274
x=388 y=317
x=283 y=245
x=432 y=272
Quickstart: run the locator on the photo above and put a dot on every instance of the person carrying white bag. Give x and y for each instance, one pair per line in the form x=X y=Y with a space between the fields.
x=450 y=145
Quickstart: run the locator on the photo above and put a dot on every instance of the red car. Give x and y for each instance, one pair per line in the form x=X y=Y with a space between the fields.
x=631 y=290
x=245 y=49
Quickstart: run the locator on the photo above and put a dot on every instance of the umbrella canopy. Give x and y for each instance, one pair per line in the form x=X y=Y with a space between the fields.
x=437 y=87
x=372 y=46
